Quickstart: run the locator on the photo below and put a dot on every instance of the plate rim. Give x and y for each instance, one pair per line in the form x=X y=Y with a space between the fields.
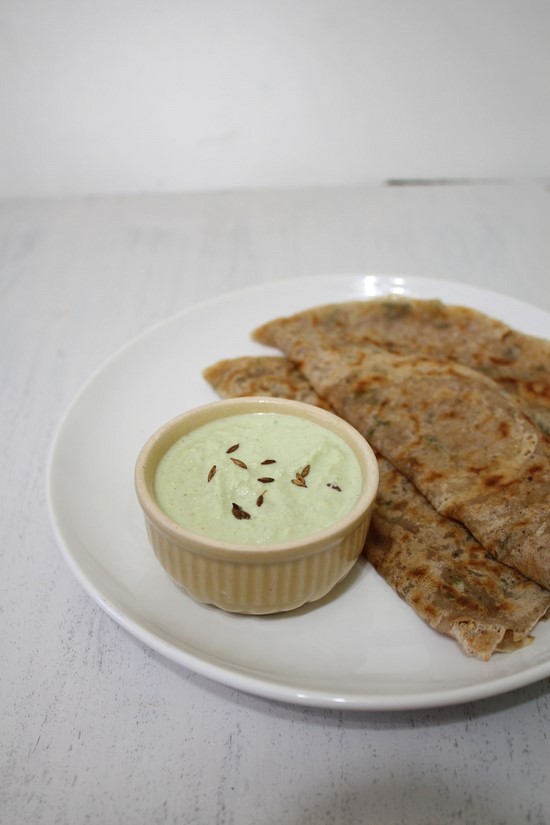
x=235 y=678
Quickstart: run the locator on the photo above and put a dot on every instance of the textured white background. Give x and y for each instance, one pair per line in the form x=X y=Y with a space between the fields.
x=118 y=96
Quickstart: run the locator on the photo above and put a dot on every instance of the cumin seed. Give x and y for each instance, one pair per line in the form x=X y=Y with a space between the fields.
x=238 y=511
x=265 y=480
x=260 y=499
x=239 y=463
x=300 y=480
x=212 y=473
x=233 y=448
x=305 y=471
x=269 y=461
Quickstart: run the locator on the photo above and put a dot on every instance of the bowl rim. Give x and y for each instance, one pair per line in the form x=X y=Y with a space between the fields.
x=208 y=547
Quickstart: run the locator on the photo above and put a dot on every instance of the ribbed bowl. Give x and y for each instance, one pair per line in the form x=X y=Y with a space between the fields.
x=256 y=579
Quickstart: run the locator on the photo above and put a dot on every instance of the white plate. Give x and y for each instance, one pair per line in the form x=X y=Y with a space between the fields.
x=361 y=647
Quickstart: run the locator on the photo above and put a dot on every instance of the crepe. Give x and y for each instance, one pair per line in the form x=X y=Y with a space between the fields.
x=434 y=564
x=465 y=444
x=519 y=363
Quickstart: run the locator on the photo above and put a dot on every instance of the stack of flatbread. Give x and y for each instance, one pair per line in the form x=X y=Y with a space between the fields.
x=457 y=407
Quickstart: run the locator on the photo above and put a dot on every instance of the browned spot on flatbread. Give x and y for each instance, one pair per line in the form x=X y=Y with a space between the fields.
x=493 y=480
x=434 y=476
x=540 y=389
x=418 y=572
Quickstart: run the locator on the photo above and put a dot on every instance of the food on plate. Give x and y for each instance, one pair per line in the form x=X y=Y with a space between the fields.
x=465 y=444
x=519 y=363
x=247 y=475
x=432 y=562
x=261 y=375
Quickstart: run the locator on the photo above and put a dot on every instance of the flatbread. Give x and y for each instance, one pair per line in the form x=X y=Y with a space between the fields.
x=465 y=444
x=519 y=363
x=433 y=563
x=261 y=375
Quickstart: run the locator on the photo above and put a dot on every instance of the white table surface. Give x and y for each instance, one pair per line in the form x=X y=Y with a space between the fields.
x=98 y=728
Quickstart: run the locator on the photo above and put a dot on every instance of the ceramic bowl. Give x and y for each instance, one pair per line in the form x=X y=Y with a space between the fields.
x=252 y=578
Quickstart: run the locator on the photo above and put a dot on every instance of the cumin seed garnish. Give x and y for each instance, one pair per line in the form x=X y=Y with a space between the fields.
x=212 y=473
x=269 y=461
x=305 y=471
x=299 y=478
x=238 y=511
x=233 y=448
x=260 y=499
x=266 y=480
x=239 y=463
